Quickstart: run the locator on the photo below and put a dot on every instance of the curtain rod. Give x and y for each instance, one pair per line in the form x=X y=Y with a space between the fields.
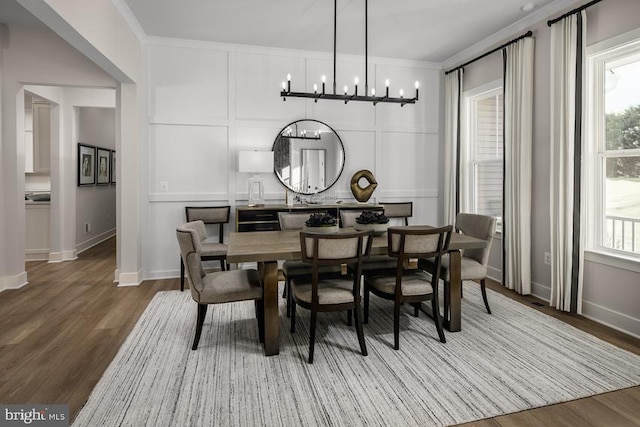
x=579 y=9
x=527 y=34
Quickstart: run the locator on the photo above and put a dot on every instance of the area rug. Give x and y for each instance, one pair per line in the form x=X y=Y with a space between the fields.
x=512 y=360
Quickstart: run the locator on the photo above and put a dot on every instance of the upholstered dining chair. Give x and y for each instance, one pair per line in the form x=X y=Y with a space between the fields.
x=402 y=210
x=319 y=294
x=410 y=286
x=293 y=268
x=218 y=287
x=473 y=261
x=211 y=250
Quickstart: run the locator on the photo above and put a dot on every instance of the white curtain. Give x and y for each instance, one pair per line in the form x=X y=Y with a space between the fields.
x=453 y=89
x=568 y=38
x=518 y=117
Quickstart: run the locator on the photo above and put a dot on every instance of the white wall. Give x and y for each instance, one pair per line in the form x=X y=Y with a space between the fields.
x=610 y=294
x=209 y=101
x=95 y=204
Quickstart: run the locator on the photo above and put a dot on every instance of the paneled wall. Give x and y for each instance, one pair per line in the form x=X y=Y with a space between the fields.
x=208 y=102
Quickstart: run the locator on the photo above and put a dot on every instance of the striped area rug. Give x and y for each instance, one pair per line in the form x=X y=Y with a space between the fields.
x=514 y=359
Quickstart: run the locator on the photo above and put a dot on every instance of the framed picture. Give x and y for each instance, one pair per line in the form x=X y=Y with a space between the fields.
x=86 y=165
x=102 y=166
x=113 y=166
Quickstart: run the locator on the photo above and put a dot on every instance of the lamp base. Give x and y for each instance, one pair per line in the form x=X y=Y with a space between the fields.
x=256 y=191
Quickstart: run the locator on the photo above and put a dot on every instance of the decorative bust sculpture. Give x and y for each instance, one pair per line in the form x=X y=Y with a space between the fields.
x=363 y=194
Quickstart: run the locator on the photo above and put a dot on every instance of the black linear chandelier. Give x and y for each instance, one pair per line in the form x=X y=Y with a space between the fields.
x=369 y=96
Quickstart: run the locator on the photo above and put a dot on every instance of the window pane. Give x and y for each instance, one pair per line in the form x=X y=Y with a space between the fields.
x=488 y=179
x=488 y=132
x=622 y=203
x=622 y=105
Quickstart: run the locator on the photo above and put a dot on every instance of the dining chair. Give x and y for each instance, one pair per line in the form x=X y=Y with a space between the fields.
x=218 y=287
x=473 y=261
x=402 y=210
x=410 y=286
x=348 y=216
x=211 y=250
x=323 y=294
x=293 y=268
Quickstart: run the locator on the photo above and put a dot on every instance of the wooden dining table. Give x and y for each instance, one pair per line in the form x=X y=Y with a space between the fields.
x=266 y=248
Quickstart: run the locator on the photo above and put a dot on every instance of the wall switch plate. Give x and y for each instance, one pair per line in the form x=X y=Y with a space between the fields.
x=164 y=186
x=547 y=258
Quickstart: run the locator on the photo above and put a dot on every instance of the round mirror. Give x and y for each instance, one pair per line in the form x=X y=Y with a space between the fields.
x=308 y=156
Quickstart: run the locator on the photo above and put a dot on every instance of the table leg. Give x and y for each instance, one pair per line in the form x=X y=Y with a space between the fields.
x=454 y=324
x=269 y=273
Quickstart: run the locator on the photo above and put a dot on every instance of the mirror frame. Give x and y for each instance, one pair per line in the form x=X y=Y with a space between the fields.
x=329 y=184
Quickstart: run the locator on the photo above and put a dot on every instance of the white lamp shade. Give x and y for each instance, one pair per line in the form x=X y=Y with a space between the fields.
x=255 y=161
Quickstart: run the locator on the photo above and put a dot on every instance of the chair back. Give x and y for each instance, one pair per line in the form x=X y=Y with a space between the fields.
x=402 y=210
x=348 y=218
x=189 y=241
x=210 y=215
x=335 y=249
x=292 y=221
x=417 y=241
x=480 y=227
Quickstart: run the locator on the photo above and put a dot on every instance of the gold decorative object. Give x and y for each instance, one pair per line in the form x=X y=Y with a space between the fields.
x=363 y=194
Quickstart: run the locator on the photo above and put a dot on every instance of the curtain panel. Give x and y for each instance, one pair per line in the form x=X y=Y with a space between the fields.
x=568 y=44
x=518 y=131
x=453 y=93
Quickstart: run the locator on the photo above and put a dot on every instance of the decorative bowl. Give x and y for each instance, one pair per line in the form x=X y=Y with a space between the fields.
x=378 y=229
x=323 y=229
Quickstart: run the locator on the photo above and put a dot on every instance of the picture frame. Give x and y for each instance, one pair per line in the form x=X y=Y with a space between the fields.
x=113 y=166
x=103 y=166
x=86 y=165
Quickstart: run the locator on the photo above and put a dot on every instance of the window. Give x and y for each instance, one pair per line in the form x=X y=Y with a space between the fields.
x=614 y=150
x=482 y=152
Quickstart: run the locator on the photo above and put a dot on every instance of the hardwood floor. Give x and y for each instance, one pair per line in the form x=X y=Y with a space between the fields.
x=59 y=333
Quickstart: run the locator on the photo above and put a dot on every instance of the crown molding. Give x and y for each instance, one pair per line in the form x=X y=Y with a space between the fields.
x=123 y=8
x=297 y=53
x=517 y=27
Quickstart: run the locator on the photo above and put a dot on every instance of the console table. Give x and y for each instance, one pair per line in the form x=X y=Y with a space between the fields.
x=265 y=218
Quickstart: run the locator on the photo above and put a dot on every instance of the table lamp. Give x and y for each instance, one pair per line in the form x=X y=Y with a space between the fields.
x=255 y=162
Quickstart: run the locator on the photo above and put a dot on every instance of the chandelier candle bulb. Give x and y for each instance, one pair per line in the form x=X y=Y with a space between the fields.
x=401 y=93
x=417 y=86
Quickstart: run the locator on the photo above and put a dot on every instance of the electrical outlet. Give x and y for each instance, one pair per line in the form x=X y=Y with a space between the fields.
x=547 y=258
x=164 y=186
x=87 y=227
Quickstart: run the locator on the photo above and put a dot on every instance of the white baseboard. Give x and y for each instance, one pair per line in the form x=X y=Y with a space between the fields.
x=116 y=276
x=13 y=282
x=541 y=291
x=165 y=274
x=128 y=279
x=613 y=319
x=36 y=255
x=81 y=247
x=494 y=274
x=63 y=256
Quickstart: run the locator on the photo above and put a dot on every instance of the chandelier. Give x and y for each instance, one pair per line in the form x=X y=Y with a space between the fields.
x=368 y=95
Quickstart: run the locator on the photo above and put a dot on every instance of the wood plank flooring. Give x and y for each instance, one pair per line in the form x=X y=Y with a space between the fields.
x=59 y=333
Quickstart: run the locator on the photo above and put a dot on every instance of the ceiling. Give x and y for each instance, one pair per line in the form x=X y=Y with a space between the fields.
x=424 y=30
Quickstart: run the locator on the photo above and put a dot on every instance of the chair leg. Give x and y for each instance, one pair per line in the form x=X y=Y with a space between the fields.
x=181 y=275
x=312 y=334
x=483 y=288
x=366 y=304
x=349 y=317
x=363 y=345
x=416 y=309
x=260 y=313
x=293 y=316
x=286 y=293
x=222 y=265
x=435 y=307
x=202 y=312
x=396 y=326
